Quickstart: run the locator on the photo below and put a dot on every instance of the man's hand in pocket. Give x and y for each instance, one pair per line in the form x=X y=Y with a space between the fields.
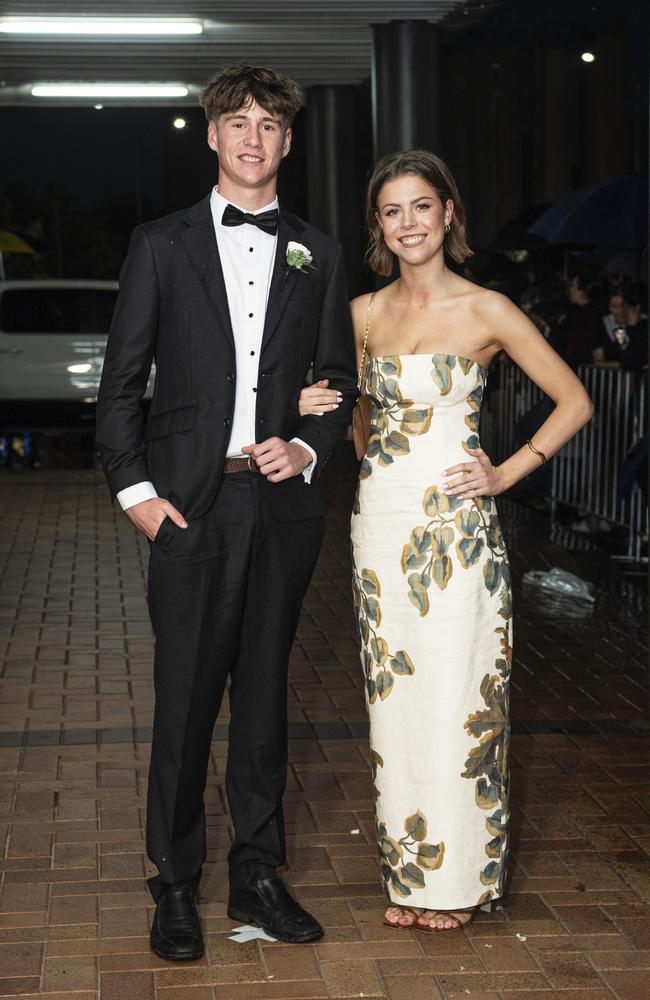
x=150 y=514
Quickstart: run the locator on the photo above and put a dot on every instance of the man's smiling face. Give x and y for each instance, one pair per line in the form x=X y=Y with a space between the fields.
x=250 y=144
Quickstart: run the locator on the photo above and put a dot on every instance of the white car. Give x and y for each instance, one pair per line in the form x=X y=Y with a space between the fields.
x=52 y=343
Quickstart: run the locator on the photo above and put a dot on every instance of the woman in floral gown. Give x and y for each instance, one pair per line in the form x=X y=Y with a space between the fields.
x=430 y=569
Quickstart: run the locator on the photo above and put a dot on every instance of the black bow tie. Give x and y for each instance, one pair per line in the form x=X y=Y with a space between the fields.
x=266 y=221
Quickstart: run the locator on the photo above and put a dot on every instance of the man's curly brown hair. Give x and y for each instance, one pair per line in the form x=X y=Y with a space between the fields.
x=236 y=87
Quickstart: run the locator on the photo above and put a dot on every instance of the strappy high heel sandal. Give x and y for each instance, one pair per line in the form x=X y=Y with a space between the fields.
x=449 y=915
x=402 y=909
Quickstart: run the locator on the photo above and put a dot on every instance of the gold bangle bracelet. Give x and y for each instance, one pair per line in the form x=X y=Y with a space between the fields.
x=536 y=451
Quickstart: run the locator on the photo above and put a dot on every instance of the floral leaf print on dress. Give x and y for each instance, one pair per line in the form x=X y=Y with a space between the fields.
x=404 y=862
x=436 y=566
x=426 y=556
x=403 y=874
x=393 y=419
x=375 y=653
x=487 y=762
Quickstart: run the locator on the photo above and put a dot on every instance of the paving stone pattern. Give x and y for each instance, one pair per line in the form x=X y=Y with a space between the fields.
x=74 y=727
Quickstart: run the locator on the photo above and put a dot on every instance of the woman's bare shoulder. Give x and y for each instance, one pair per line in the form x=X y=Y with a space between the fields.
x=359 y=308
x=360 y=304
x=487 y=307
x=492 y=304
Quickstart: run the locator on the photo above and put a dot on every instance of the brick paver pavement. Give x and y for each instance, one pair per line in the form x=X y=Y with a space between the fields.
x=74 y=729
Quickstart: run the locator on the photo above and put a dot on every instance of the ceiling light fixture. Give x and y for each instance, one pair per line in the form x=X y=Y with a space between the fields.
x=588 y=57
x=98 y=26
x=179 y=123
x=103 y=90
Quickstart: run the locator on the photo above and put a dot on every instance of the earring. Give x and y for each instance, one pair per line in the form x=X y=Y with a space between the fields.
x=447 y=228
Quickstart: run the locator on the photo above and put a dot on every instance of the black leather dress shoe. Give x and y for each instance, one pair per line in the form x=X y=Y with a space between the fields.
x=267 y=902
x=176 y=929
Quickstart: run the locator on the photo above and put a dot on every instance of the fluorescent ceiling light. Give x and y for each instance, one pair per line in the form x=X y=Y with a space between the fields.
x=82 y=369
x=96 y=90
x=98 y=26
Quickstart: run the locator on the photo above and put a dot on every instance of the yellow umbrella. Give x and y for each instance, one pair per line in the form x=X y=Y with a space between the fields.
x=10 y=243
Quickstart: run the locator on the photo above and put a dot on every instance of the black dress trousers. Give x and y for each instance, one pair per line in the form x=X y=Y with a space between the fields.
x=224 y=597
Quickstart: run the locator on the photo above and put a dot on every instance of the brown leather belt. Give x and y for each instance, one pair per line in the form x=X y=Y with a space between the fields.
x=237 y=465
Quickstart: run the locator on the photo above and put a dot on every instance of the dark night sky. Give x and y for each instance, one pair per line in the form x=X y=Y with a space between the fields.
x=97 y=155
x=93 y=155
x=79 y=180
x=126 y=165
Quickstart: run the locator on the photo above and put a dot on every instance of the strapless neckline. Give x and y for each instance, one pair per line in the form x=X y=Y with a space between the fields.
x=426 y=354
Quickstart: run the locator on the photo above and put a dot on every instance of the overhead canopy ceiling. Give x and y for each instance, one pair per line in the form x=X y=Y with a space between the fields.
x=316 y=42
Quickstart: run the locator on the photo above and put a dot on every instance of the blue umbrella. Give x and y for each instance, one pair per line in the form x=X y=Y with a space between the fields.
x=612 y=212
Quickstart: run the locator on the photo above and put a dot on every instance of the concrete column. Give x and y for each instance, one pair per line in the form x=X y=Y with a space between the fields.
x=406 y=86
x=337 y=151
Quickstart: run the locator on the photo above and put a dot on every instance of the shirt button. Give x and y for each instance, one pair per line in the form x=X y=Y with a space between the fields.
x=251 y=282
x=252 y=353
x=250 y=249
x=261 y=420
x=250 y=315
x=230 y=377
x=254 y=390
x=226 y=421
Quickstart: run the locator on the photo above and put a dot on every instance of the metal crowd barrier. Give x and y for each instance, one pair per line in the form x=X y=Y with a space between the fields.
x=586 y=473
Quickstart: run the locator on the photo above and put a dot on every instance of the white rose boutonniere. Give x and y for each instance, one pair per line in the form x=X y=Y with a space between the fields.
x=299 y=258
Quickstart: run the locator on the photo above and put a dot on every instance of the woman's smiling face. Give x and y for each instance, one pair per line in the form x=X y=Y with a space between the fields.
x=412 y=218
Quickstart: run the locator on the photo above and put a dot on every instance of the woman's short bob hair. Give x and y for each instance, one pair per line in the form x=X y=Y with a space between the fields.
x=435 y=172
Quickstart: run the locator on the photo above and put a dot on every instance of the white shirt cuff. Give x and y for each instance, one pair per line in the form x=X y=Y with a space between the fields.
x=308 y=471
x=137 y=494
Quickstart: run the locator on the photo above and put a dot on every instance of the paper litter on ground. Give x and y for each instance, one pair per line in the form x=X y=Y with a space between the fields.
x=247 y=932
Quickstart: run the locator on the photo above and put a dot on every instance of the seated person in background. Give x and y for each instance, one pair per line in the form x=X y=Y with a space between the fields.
x=577 y=334
x=608 y=350
x=628 y=304
x=545 y=305
x=632 y=338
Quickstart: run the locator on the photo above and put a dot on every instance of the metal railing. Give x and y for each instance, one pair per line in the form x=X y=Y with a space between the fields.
x=586 y=473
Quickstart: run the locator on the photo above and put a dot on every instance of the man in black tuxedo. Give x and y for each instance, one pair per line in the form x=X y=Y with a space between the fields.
x=234 y=299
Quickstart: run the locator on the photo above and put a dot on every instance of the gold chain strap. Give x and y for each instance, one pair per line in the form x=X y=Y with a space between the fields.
x=365 y=340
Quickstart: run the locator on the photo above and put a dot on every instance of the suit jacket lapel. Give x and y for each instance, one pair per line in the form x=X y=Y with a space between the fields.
x=283 y=279
x=200 y=243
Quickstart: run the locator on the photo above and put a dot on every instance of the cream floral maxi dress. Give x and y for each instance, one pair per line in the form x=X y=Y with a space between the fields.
x=432 y=595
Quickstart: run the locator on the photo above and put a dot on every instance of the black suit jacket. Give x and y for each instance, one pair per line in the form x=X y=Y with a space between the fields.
x=173 y=309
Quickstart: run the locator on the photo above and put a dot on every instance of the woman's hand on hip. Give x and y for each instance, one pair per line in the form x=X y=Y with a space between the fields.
x=473 y=479
x=318 y=399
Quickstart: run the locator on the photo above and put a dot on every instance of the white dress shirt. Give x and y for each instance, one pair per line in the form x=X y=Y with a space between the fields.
x=247 y=256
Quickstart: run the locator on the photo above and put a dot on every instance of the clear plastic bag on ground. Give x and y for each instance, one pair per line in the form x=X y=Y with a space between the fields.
x=560 y=581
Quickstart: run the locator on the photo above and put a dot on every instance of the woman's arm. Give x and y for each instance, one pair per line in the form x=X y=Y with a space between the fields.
x=318 y=398
x=523 y=343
